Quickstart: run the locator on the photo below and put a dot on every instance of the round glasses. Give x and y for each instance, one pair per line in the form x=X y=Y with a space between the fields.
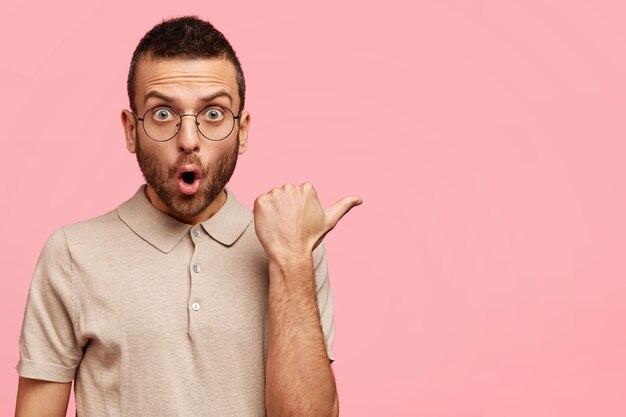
x=162 y=123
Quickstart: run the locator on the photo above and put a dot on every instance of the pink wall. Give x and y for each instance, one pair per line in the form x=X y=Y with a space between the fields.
x=485 y=273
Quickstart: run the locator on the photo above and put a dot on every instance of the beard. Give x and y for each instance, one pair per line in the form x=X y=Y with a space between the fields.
x=214 y=179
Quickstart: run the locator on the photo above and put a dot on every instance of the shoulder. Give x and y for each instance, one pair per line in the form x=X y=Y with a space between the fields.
x=62 y=237
x=94 y=228
x=63 y=242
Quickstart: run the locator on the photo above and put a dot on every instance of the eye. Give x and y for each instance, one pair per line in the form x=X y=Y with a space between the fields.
x=213 y=114
x=163 y=114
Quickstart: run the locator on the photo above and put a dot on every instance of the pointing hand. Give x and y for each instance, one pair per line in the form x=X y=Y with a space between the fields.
x=290 y=221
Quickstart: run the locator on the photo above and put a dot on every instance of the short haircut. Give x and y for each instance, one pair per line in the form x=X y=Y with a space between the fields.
x=186 y=37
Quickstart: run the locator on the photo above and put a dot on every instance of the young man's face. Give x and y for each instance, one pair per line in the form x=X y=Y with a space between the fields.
x=185 y=174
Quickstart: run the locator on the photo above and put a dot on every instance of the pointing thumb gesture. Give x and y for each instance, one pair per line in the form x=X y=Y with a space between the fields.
x=335 y=212
x=290 y=221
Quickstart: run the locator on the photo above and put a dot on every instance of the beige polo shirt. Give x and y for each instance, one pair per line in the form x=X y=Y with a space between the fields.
x=154 y=317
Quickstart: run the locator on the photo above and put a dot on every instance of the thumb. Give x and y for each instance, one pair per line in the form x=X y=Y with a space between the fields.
x=335 y=212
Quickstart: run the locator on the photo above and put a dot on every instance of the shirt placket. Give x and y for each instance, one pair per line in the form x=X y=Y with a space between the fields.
x=197 y=302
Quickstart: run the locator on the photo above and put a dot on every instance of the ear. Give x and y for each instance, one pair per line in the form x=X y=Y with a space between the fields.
x=130 y=129
x=244 y=125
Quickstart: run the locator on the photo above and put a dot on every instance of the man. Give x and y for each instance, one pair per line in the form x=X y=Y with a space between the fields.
x=181 y=302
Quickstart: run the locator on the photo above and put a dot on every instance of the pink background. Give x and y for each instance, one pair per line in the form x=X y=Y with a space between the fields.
x=485 y=273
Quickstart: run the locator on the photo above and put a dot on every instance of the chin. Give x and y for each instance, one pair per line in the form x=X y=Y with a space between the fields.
x=189 y=205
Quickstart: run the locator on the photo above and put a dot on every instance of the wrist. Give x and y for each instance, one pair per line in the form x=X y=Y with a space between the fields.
x=291 y=260
x=292 y=274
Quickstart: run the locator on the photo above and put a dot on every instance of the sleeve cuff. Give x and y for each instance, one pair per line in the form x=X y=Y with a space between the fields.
x=45 y=371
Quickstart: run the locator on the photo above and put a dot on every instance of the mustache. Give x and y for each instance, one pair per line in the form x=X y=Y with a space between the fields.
x=188 y=160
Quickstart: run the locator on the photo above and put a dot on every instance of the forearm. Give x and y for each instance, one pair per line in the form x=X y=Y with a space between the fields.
x=38 y=398
x=299 y=379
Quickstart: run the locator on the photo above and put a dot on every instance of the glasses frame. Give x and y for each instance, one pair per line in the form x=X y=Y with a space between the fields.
x=180 y=122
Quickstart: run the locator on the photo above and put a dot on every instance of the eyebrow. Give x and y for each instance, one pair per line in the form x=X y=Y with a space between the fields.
x=205 y=99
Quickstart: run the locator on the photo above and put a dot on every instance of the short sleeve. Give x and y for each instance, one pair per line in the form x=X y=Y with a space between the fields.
x=325 y=301
x=48 y=347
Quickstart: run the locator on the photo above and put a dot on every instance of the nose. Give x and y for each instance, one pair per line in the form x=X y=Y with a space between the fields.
x=188 y=135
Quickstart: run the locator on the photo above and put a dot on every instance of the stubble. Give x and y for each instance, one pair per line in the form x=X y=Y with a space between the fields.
x=214 y=179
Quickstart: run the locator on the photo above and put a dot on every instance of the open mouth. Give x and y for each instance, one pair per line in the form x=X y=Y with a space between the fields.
x=189 y=177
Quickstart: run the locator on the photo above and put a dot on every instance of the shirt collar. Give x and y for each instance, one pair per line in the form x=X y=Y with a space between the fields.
x=164 y=232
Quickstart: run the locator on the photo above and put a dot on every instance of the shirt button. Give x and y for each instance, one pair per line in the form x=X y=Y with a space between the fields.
x=196 y=269
x=196 y=233
x=195 y=306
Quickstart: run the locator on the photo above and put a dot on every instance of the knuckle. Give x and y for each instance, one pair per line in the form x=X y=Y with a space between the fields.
x=308 y=187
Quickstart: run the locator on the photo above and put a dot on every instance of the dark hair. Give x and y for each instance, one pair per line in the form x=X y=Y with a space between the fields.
x=186 y=37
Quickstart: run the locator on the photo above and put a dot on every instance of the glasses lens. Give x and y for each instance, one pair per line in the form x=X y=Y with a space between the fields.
x=216 y=122
x=161 y=123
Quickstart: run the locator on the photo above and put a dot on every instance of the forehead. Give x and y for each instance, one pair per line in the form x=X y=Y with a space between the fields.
x=185 y=79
